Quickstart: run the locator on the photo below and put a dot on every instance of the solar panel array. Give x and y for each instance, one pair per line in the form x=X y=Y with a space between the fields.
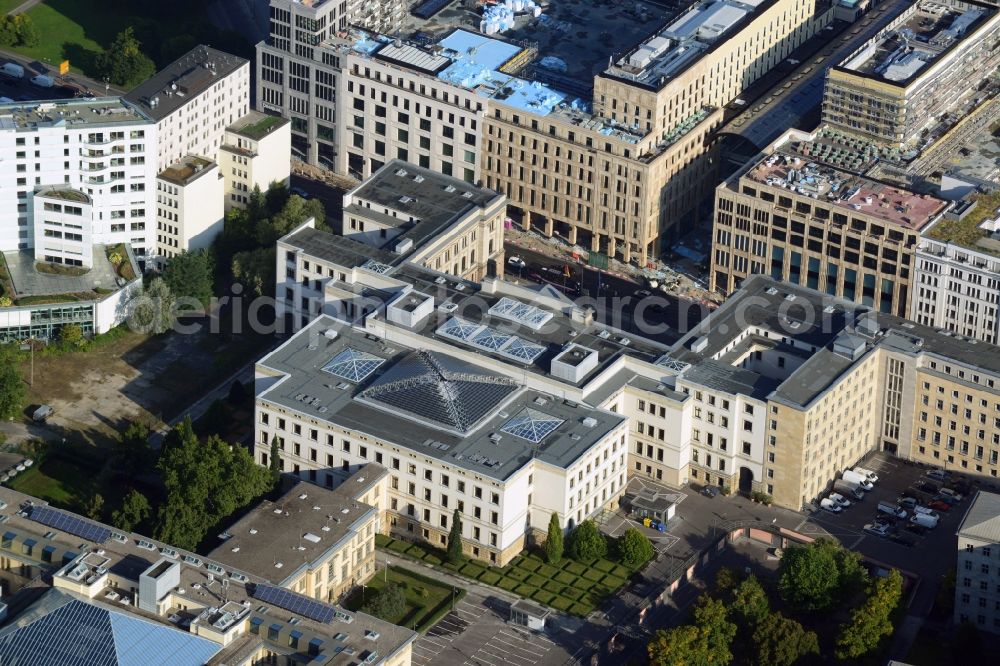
x=67 y=522
x=531 y=425
x=294 y=602
x=353 y=365
x=521 y=313
x=491 y=340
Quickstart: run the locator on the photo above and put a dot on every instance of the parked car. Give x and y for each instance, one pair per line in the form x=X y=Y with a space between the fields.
x=42 y=414
x=913 y=528
x=13 y=70
x=840 y=499
x=885 y=519
x=926 y=511
x=939 y=505
x=948 y=492
x=298 y=191
x=937 y=475
x=516 y=261
x=877 y=529
x=710 y=491
x=867 y=473
x=928 y=487
x=892 y=510
x=947 y=499
x=43 y=81
x=906 y=502
x=828 y=504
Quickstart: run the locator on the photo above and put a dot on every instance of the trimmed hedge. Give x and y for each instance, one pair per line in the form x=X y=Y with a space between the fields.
x=536 y=580
x=547 y=570
x=519 y=575
x=490 y=577
x=525 y=590
x=565 y=578
x=604 y=565
x=582 y=610
x=553 y=586
x=573 y=593
x=508 y=584
x=561 y=603
x=575 y=568
x=594 y=575
x=543 y=597
x=529 y=564
x=473 y=570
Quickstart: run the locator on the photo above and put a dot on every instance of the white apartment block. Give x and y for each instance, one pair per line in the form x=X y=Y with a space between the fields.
x=76 y=173
x=189 y=206
x=977 y=578
x=956 y=286
x=256 y=152
x=192 y=101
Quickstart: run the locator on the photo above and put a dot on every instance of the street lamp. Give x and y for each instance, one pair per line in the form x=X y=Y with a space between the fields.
x=453 y=591
x=385 y=575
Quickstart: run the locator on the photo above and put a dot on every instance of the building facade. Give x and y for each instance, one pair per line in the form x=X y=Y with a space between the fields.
x=789 y=215
x=80 y=173
x=977 y=578
x=957 y=284
x=614 y=180
x=255 y=153
x=914 y=70
x=189 y=206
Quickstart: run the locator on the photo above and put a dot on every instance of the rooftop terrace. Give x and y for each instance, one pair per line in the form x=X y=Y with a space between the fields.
x=902 y=52
x=256 y=125
x=846 y=190
x=186 y=170
x=72 y=113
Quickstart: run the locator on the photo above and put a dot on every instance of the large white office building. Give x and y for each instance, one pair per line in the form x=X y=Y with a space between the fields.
x=76 y=173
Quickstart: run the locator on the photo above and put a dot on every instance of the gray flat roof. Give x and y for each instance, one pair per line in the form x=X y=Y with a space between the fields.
x=193 y=73
x=264 y=536
x=982 y=521
x=486 y=450
x=337 y=249
x=902 y=335
x=69 y=113
x=813 y=377
x=435 y=200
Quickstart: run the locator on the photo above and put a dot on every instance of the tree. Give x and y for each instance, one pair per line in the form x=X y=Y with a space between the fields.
x=726 y=579
x=71 y=335
x=132 y=452
x=554 y=540
x=12 y=390
x=706 y=641
x=781 y=641
x=388 y=604
x=871 y=622
x=455 y=538
x=154 y=310
x=255 y=269
x=134 y=510
x=750 y=604
x=586 y=542
x=189 y=276
x=94 y=508
x=24 y=27
x=712 y=619
x=813 y=576
x=274 y=460
x=123 y=62
x=237 y=393
x=205 y=482
x=635 y=548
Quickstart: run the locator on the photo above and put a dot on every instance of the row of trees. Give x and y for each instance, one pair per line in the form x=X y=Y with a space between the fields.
x=812 y=579
x=586 y=543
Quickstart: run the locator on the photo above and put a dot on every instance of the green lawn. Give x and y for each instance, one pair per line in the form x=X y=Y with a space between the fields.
x=73 y=29
x=59 y=480
x=574 y=587
x=426 y=600
x=7 y=5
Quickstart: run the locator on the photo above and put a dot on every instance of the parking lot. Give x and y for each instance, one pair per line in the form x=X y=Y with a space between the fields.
x=929 y=554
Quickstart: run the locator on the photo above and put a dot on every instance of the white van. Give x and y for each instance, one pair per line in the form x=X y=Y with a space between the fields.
x=892 y=510
x=867 y=473
x=13 y=70
x=43 y=81
x=937 y=475
x=924 y=520
x=860 y=479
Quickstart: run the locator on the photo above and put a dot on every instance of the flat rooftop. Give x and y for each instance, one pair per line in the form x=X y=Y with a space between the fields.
x=683 y=41
x=297 y=529
x=338 y=249
x=176 y=84
x=186 y=170
x=571 y=42
x=409 y=397
x=256 y=125
x=433 y=200
x=101 y=279
x=69 y=113
x=903 y=52
x=128 y=555
x=845 y=190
